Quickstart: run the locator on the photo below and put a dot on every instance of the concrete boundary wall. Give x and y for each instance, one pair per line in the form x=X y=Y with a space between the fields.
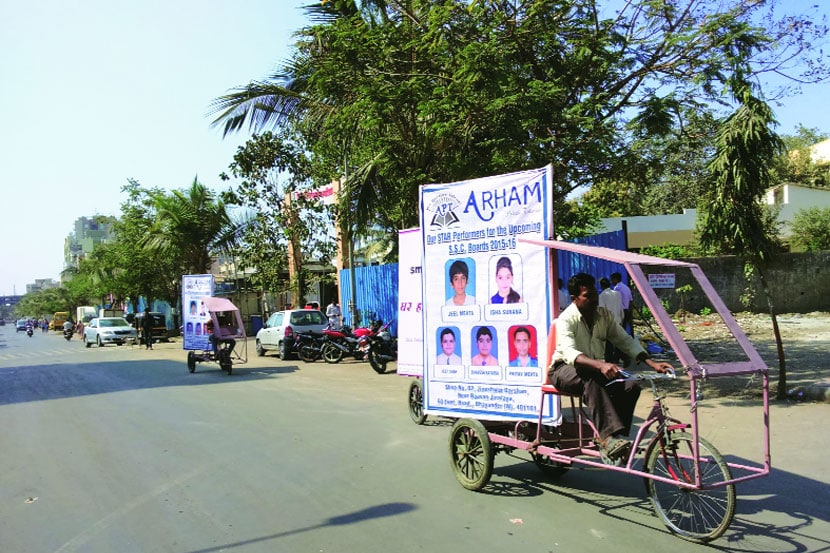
x=800 y=283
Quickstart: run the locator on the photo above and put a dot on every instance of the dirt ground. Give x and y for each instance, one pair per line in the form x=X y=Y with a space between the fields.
x=805 y=337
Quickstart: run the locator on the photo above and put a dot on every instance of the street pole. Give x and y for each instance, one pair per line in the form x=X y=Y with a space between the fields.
x=352 y=284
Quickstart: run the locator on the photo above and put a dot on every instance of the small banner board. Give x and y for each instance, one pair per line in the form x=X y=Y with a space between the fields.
x=194 y=313
x=665 y=280
x=410 y=304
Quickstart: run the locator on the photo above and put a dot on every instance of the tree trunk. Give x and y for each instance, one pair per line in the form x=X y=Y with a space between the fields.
x=781 y=393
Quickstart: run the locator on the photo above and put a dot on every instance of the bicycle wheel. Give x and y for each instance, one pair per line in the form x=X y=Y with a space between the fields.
x=472 y=454
x=697 y=515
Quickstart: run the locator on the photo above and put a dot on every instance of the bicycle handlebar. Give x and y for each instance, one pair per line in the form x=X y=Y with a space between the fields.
x=627 y=376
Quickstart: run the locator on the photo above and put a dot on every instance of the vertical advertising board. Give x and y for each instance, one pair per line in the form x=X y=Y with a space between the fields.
x=487 y=302
x=410 y=304
x=194 y=315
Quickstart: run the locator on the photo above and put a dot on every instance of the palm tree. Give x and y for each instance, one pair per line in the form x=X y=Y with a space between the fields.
x=191 y=225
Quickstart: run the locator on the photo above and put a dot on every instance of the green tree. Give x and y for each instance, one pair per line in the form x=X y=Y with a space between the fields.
x=191 y=225
x=811 y=229
x=396 y=94
x=277 y=192
x=148 y=271
x=734 y=220
x=796 y=164
x=43 y=303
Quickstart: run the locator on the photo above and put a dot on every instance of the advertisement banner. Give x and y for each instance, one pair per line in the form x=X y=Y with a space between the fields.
x=487 y=296
x=410 y=306
x=194 y=314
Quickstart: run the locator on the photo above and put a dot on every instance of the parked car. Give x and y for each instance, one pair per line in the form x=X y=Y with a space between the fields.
x=159 y=326
x=278 y=331
x=109 y=330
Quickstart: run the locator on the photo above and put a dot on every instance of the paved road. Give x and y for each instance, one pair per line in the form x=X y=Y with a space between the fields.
x=122 y=450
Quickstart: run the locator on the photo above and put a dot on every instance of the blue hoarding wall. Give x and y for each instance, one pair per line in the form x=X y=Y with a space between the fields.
x=377 y=294
x=571 y=263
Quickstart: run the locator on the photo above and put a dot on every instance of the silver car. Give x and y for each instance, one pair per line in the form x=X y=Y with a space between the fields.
x=279 y=329
x=109 y=330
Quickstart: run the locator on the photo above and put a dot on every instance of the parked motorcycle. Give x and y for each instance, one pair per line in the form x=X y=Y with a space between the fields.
x=309 y=345
x=381 y=348
x=343 y=341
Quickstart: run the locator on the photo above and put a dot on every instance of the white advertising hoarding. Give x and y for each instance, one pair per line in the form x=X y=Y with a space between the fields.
x=194 y=314
x=487 y=303
x=410 y=304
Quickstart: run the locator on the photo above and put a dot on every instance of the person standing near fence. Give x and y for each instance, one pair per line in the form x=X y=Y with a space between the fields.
x=625 y=295
x=334 y=314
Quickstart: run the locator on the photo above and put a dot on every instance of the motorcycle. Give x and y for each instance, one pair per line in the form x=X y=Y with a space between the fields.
x=381 y=348
x=309 y=345
x=343 y=341
x=68 y=333
x=29 y=331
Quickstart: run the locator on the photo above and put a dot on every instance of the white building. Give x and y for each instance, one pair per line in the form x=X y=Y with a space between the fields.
x=657 y=230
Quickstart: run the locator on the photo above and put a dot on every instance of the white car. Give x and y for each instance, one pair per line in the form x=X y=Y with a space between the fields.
x=109 y=330
x=278 y=331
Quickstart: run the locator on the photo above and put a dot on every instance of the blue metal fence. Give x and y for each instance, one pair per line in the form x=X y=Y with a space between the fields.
x=377 y=293
x=571 y=263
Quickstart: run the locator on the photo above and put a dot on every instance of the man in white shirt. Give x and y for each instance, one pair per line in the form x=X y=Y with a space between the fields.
x=581 y=333
x=611 y=300
x=625 y=292
x=333 y=313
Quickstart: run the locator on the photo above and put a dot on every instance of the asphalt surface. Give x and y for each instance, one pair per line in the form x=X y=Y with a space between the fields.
x=121 y=449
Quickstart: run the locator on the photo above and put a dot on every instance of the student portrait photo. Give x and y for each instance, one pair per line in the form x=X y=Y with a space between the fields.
x=484 y=343
x=460 y=277
x=523 y=346
x=448 y=347
x=504 y=282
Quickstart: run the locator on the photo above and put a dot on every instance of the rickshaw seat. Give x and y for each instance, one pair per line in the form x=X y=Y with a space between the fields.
x=547 y=387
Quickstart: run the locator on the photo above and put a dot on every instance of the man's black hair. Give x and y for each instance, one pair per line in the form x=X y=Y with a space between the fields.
x=576 y=282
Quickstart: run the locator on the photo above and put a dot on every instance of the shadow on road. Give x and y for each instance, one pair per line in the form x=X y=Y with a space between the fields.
x=45 y=382
x=377 y=511
x=781 y=512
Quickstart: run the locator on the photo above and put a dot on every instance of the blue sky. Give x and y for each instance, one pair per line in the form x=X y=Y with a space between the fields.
x=99 y=91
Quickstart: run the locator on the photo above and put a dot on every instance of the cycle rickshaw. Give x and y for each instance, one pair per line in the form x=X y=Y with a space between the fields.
x=690 y=485
x=227 y=341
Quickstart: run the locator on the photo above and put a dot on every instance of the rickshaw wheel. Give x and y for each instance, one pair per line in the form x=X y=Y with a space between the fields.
x=472 y=453
x=416 y=402
x=548 y=466
x=191 y=361
x=695 y=515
